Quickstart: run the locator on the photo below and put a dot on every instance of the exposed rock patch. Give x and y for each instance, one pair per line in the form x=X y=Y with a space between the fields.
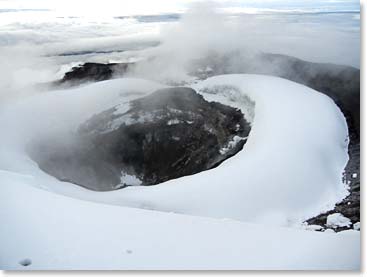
x=171 y=133
x=92 y=72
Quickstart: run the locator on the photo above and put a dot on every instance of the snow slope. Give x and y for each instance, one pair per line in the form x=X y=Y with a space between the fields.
x=56 y=232
x=290 y=169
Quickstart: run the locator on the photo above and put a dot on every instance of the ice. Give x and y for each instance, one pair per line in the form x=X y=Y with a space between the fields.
x=122 y=108
x=338 y=220
x=129 y=180
x=231 y=144
x=312 y=227
x=173 y=121
x=357 y=226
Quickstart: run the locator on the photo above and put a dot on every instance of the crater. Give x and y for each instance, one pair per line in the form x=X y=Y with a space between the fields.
x=168 y=134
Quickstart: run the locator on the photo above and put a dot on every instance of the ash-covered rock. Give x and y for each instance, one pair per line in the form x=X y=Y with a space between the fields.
x=171 y=133
x=92 y=72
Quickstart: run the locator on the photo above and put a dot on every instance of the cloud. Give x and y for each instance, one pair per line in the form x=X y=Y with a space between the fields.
x=31 y=42
x=205 y=31
x=134 y=7
x=21 y=68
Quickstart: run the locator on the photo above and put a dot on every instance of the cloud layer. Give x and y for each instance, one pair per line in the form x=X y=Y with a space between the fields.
x=34 y=45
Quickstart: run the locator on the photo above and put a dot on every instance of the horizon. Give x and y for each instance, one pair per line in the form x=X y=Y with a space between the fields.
x=143 y=7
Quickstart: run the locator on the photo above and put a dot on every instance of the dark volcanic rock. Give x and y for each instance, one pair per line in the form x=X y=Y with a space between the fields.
x=168 y=134
x=93 y=72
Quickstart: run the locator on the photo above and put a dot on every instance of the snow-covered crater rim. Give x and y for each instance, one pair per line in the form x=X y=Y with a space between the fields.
x=312 y=146
x=129 y=139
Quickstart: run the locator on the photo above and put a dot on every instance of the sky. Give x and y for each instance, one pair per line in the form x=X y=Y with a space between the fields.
x=126 y=7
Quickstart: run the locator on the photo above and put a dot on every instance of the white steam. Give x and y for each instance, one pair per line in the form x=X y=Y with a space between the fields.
x=21 y=69
x=204 y=31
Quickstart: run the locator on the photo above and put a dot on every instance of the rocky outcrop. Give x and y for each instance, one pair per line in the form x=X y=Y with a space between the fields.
x=171 y=133
x=92 y=72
